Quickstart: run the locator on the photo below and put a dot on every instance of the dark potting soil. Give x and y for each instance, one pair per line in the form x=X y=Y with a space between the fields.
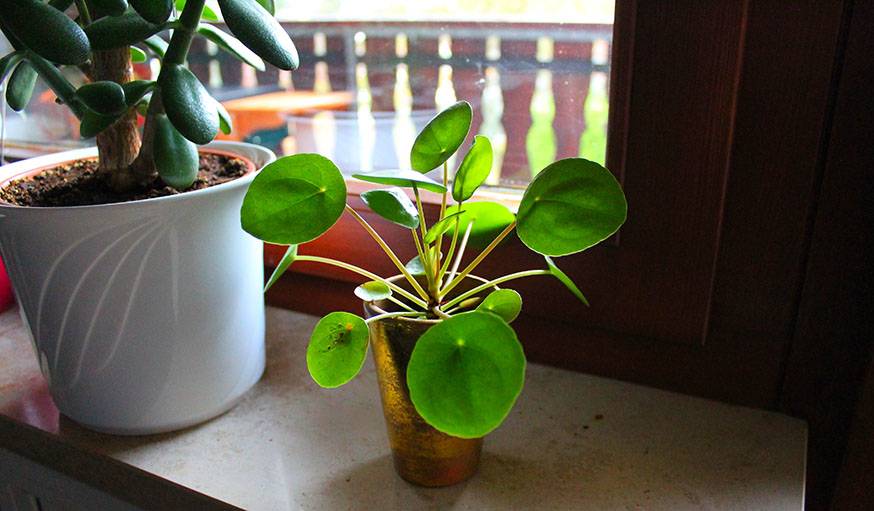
x=78 y=184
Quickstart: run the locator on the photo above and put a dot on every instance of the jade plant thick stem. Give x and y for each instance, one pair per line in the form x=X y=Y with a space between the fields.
x=98 y=41
x=467 y=370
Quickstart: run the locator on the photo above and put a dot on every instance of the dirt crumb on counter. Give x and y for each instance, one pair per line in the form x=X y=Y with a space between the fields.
x=78 y=184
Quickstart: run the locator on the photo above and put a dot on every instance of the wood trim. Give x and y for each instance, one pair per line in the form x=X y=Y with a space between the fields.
x=832 y=338
x=129 y=484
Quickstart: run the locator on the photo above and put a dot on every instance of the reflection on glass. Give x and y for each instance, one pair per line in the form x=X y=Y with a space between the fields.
x=404 y=130
x=492 y=109
x=366 y=122
x=593 y=141
x=215 y=70
x=540 y=143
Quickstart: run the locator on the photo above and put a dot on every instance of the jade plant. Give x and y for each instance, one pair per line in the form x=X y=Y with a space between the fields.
x=466 y=371
x=99 y=40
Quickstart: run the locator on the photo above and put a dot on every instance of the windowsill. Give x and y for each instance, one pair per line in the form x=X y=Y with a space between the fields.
x=573 y=442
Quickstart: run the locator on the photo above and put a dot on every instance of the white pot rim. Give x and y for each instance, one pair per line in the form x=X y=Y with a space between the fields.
x=13 y=170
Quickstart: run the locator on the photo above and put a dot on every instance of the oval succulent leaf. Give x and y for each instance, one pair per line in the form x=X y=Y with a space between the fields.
x=135 y=90
x=474 y=169
x=117 y=31
x=20 y=87
x=155 y=11
x=571 y=205
x=441 y=137
x=208 y=13
x=93 y=123
x=506 y=303
x=226 y=124
x=489 y=219
x=284 y=263
x=110 y=7
x=157 y=45
x=47 y=31
x=8 y=64
x=393 y=205
x=104 y=97
x=260 y=32
x=564 y=279
x=176 y=158
x=373 y=291
x=465 y=374
x=445 y=223
x=294 y=200
x=231 y=45
x=337 y=349
x=138 y=56
x=403 y=178
x=190 y=108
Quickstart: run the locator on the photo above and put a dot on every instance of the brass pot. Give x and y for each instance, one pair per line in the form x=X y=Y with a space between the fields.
x=422 y=455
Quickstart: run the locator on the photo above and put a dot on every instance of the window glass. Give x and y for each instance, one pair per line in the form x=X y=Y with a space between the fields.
x=372 y=74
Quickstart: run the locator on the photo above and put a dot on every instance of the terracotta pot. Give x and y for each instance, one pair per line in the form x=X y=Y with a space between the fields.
x=6 y=298
x=146 y=316
x=422 y=455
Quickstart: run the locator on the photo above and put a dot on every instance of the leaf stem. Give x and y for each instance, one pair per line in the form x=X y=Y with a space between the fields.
x=495 y=282
x=460 y=254
x=372 y=276
x=478 y=259
x=389 y=252
x=400 y=303
x=180 y=42
x=451 y=251
x=427 y=263
x=84 y=15
x=394 y=315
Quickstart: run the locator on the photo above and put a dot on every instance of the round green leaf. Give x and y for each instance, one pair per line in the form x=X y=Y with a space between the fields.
x=465 y=374
x=393 y=205
x=47 y=31
x=489 y=219
x=190 y=108
x=110 y=7
x=372 y=291
x=564 y=279
x=117 y=31
x=337 y=349
x=284 y=263
x=260 y=32
x=441 y=137
x=155 y=11
x=231 y=45
x=20 y=87
x=474 y=169
x=571 y=205
x=401 y=177
x=445 y=223
x=294 y=200
x=104 y=97
x=506 y=303
x=176 y=158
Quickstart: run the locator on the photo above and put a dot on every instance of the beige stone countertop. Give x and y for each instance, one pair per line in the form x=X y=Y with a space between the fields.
x=573 y=441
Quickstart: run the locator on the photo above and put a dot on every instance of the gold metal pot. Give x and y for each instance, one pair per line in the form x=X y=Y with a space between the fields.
x=422 y=455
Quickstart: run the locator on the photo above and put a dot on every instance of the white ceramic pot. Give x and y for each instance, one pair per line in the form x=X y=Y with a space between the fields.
x=146 y=316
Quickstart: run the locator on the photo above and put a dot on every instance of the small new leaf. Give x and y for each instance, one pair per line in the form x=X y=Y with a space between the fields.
x=441 y=137
x=373 y=291
x=506 y=303
x=474 y=169
x=403 y=178
x=564 y=279
x=393 y=205
x=284 y=263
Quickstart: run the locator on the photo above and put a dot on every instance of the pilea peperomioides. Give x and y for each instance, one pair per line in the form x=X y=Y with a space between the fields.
x=100 y=38
x=466 y=371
